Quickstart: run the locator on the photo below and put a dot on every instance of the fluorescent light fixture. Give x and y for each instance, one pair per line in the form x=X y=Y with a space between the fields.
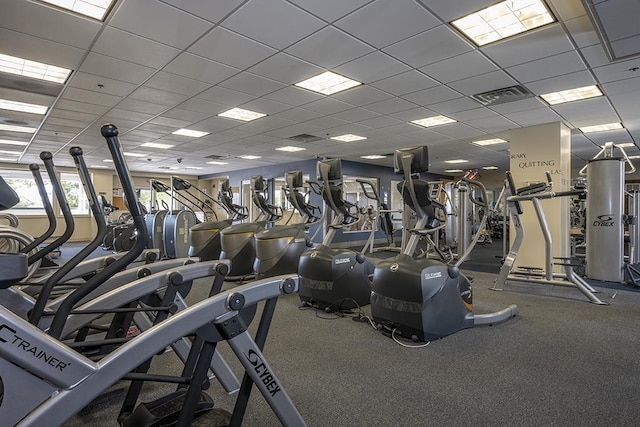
x=433 y=121
x=217 y=163
x=37 y=70
x=191 y=133
x=600 y=128
x=174 y=168
x=157 y=145
x=108 y=161
x=4 y=159
x=10 y=153
x=571 y=95
x=250 y=157
x=453 y=170
x=12 y=128
x=11 y=142
x=626 y=145
x=503 y=20
x=91 y=8
x=457 y=161
x=98 y=166
x=348 y=137
x=23 y=107
x=328 y=83
x=193 y=167
x=130 y=154
x=240 y=114
x=634 y=157
x=490 y=168
x=290 y=149
x=373 y=157
x=489 y=141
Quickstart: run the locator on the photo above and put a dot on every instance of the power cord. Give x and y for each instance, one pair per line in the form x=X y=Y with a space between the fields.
x=393 y=336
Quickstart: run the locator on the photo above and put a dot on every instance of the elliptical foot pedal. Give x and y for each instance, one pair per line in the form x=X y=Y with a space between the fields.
x=216 y=417
x=165 y=410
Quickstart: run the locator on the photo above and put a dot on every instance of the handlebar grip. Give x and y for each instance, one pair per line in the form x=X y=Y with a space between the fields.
x=549 y=179
x=85 y=178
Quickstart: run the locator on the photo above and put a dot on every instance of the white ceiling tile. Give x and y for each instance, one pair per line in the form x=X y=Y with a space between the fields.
x=297 y=129
x=328 y=106
x=381 y=122
x=567 y=81
x=459 y=67
x=483 y=83
x=372 y=67
x=77 y=115
x=60 y=123
x=121 y=114
x=294 y=96
x=458 y=131
x=198 y=68
x=326 y=122
x=582 y=32
x=565 y=63
x=285 y=68
x=116 y=69
x=595 y=55
x=41 y=50
x=266 y=106
x=521 y=105
x=473 y=114
x=357 y=114
x=211 y=11
x=330 y=10
x=229 y=48
x=451 y=10
x=286 y=23
x=361 y=95
x=23 y=96
x=251 y=84
x=533 y=117
x=171 y=122
x=432 y=95
x=390 y=106
x=587 y=112
x=299 y=114
x=91 y=81
x=160 y=22
x=371 y=23
x=625 y=88
x=568 y=9
x=141 y=106
x=178 y=84
x=186 y=115
x=265 y=124
x=617 y=71
x=203 y=106
x=328 y=48
x=224 y=96
x=401 y=84
x=92 y=97
x=413 y=114
x=83 y=107
x=454 y=105
x=601 y=138
x=492 y=124
x=217 y=124
x=48 y=23
x=541 y=43
x=129 y=47
x=157 y=96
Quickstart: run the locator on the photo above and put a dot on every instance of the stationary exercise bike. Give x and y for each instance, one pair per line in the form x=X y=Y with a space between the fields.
x=423 y=299
x=334 y=279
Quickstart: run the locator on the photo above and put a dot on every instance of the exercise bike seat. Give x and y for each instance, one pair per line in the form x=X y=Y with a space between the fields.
x=13 y=268
x=536 y=187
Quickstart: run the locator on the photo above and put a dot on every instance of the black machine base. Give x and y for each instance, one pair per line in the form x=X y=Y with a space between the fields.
x=165 y=411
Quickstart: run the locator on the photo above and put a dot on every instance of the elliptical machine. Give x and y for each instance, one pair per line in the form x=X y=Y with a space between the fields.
x=423 y=299
x=278 y=249
x=334 y=279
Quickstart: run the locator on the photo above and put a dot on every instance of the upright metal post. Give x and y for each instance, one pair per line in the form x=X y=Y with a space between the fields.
x=634 y=226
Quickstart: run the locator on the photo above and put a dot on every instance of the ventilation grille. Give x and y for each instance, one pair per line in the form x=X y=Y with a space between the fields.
x=304 y=137
x=502 y=96
x=215 y=157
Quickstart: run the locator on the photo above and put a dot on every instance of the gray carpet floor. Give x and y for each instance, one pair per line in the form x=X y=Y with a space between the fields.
x=562 y=361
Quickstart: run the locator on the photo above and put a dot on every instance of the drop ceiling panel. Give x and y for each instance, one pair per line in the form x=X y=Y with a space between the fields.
x=92 y=97
x=142 y=17
x=129 y=47
x=202 y=106
x=457 y=131
x=329 y=48
x=362 y=95
x=533 y=117
x=582 y=32
x=357 y=114
x=542 y=43
x=48 y=23
x=565 y=63
x=83 y=107
x=595 y=55
x=198 y=68
x=41 y=50
x=133 y=116
x=177 y=84
x=22 y=96
x=371 y=23
x=588 y=111
x=620 y=135
x=325 y=122
x=184 y=114
x=451 y=10
x=381 y=122
x=516 y=106
x=459 y=67
x=568 y=9
x=91 y=81
x=428 y=47
x=66 y=114
x=483 y=83
x=217 y=124
x=171 y=122
x=285 y=25
x=294 y=96
x=251 y=84
x=232 y=49
x=157 y=96
x=492 y=124
x=101 y=65
x=454 y=105
x=567 y=81
x=265 y=124
x=390 y=106
x=298 y=115
x=328 y=106
x=142 y=106
x=413 y=114
x=372 y=67
x=224 y=96
x=401 y=84
x=286 y=69
x=626 y=47
x=433 y=95
x=617 y=71
x=330 y=10
x=265 y=106
x=211 y=11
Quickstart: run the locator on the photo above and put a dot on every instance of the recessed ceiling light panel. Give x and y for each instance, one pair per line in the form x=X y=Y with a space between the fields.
x=12 y=128
x=9 y=152
x=290 y=149
x=453 y=170
x=23 y=107
x=217 y=163
x=189 y=132
x=600 y=128
x=92 y=8
x=456 y=161
x=570 y=95
x=373 y=157
x=348 y=137
x=433 y=121
x=130 y=154
x=504 y=19
x=240 y=114
x=328 y=83
x=626 y=145
x=489 y=141
x=11 y=142
x=36 y=70
x=490 y=168
x=157 y=145
x=250 y=157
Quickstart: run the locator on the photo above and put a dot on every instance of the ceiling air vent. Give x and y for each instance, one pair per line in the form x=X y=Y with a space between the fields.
x=163 y=167
x=305 y=137
x=216 y=157
x=502 y=96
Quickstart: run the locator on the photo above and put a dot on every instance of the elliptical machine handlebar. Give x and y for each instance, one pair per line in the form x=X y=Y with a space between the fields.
x=369 y=190
x=46 y=203
x=484 y=202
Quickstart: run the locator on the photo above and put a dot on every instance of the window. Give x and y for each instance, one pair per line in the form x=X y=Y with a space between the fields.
x=76 y=196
